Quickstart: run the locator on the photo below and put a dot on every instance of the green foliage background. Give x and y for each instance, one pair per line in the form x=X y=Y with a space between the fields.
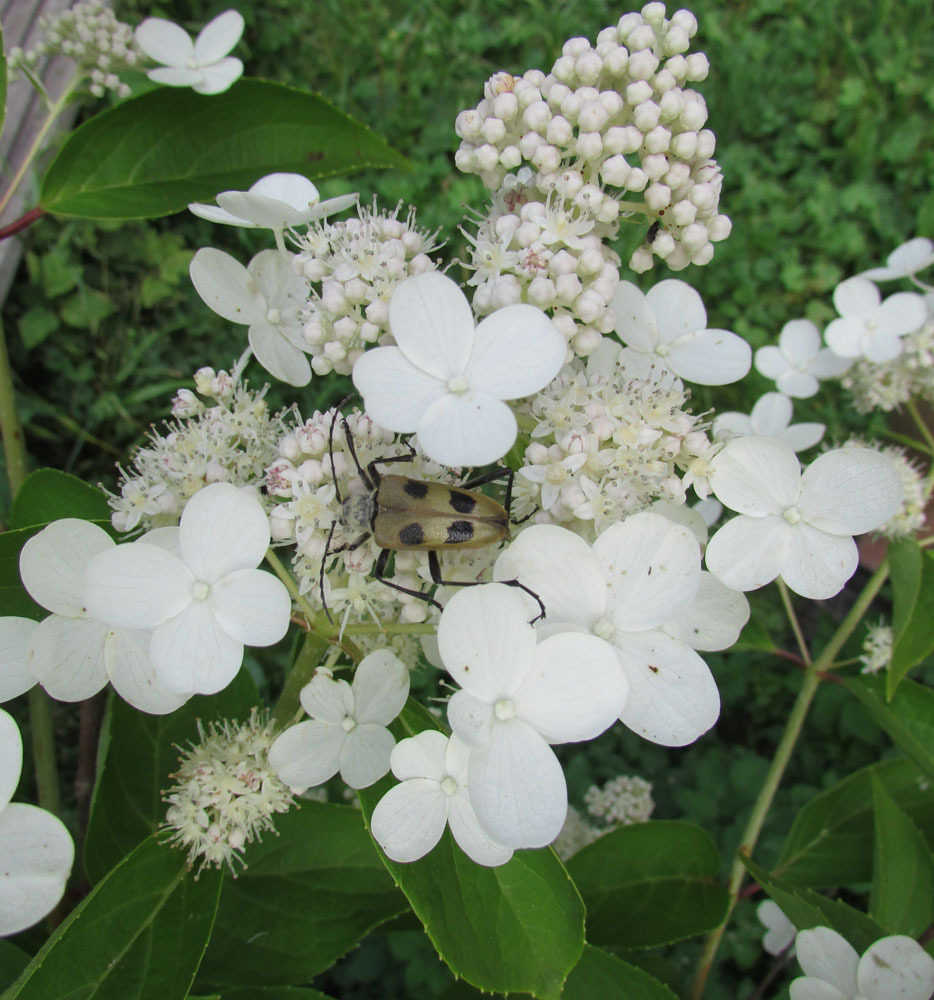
x=823 y=116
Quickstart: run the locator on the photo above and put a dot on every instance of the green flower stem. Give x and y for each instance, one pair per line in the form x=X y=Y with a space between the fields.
x=308 y=660
x=291 y=586
x=793 y=727
x=40 y=709
x=793 y=621
x=55 y=109
x=400 y=628
x=925 y=431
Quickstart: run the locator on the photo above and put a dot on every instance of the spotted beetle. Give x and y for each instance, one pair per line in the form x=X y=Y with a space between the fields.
x=403 y=514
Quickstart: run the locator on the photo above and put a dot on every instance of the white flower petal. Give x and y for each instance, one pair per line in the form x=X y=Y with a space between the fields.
x=252 y=606
x=15 y=676
x=895 y=968
x=328 y=699
x=802 y=385
x=771 y=414
x=36 y=855
x=164 y=42
x=471 y=838
x=227 y=287
x=66 y=655
x=818 y=564
x=902 y=313
x=191 y=653
x=137 y=586
x=307 y=754
x=215 y=79
x=806 y=988
x=771 y=362
x=176 y=76
x=710 y=357
x=282 y=359
x=53 y=563
x=678 y=309
x=126 y=656
x=652 y=567
x=296 y=190
x=222 y=529
x=264 y=212
x=380 y=687
x=800 y=342
x=856 y=297
x=471 y=719
x=516 y=351
x=218 y=37
x=755 y=475
x=909 y=258
x=574 y=690
x=431 y=321
x=850 y=491
x=844 y=336
x=468 y=428
x=11 y=757
x=673 y=697
x=824 y=954
x=364 y=757
x=715 y=618
x=420 y=756
x=409 y=819
x=828 y=365
x=635 y=321
x=561 y=568
x=395 y=393
x=215 y=214
x=485 y=640
x=749 y=552
x=800 y=437
x=517 y=787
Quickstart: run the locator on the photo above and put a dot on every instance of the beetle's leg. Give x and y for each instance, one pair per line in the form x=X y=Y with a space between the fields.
x=328 y=552
x=371 y=467
x=380 y=568
x=371 y=484
x=434 y=568
x=490 y=477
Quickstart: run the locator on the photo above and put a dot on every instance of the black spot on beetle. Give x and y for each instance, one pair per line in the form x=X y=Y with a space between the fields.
x=459 y=531
x=461 y=502
x=415 y=489
x=412 y=534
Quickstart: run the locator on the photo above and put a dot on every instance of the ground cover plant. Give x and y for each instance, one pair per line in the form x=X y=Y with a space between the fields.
x=495 y=398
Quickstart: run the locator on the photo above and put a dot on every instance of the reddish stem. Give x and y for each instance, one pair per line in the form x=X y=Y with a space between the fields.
x=21 y=223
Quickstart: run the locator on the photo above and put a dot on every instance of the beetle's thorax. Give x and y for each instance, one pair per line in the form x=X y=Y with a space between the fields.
x=358 y=513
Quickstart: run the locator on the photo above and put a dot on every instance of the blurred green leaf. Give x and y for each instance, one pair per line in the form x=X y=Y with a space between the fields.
x=650 y=884
x=36 y=324
x=912 y=574
x=600 y=974
x=307 y=896
x=87 y=308
x=137 y=755
x=908 y=717
x=13 y=597
x=139 y=935
x=48 y=495
x=12 y=962
x=831 y=840
x=152 y=155
x=55 y=271
x=902 y=895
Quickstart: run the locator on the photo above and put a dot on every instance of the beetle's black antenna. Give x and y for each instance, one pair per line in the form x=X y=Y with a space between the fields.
x=324 y=559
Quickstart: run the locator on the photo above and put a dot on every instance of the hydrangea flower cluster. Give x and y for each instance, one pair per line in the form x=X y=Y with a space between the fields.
x=622 y=801
x=231 y=438
x=357 y=264
x=609 y=122
x=225 y=793
x=90 y=34
x=877 y=648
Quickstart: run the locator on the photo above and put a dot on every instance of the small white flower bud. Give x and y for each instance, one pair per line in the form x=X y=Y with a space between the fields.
x=654 y=14
x=569 y=183
x=547 y=157
x=575 y=47
x=609 y=210
x=636 y=180
x=321 y=366
x=585 y=341
x=571 y=105
x=590 y=198
x=464 y=160
x=683 y=212
x=664 y=82
x=510 y=157
x=638 y=92
x=564 y=69
x=542 y=292
x=706 y=144
x=536 y=453
x=641 y=37
x=616 y=62
x=658 y=140
x=506 y=291
x=592 y=116
x=289 y=447
x=589 y=145
x=505 y=106
x=694 y=113
x=697 y=67
x=655 y=165
x=487 y=157
x=642 y=65
x=590 y=262
x=562 y=263
x=556 y=94
x=377 y=312
x=686 y=20
x=607 y=36
x=684 y=146
x=588 y=67
x=494 y=129
x=335 y=351
x=588 y=306
x=663 y=245
x=536 y=116
x=645 y=116
x=694 y=236
x=529 y=144
x=369 y=333
x=528 y=233
x=467 y=125
x=676 y=40
x=657 y=196
x=280 y=528
x=567 y=288
x=704 y=196
x=559 y=131
x=679 y=175
x=719 y=227
x=703 y=256
x=640 y=261
x=627 y=24
x=678 y=67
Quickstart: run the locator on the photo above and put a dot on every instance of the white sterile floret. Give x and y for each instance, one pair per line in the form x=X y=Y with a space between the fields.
x=203 y=604
x=15 y=676
x=202 y=64
x=799 y=360
x=276 y=202
x=517 y=697
x=347 y=729
x=869 y=327
x=267 y=296
x=670 y=322
x=73 y=653
x=769 y=417
x=779 y=930
x=640 y=579
x=904 y=261
x=447 y=380
x=893 y=968
x=797 y=526
x=409 y=819
x=36 y=850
